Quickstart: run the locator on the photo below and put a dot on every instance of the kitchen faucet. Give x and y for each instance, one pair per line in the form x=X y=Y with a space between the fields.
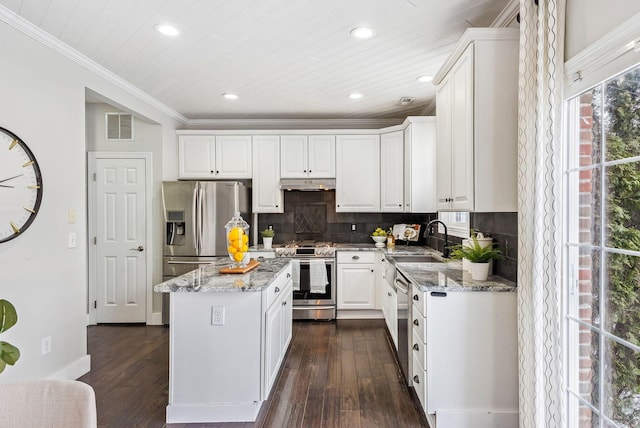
x=445 y=249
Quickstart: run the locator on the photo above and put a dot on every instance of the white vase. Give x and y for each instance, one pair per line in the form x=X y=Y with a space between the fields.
x=479 y=271
x=267 y=242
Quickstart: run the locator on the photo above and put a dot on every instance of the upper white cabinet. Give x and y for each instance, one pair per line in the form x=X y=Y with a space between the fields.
x=310 y=156
x=266 y=194
x=358 y=173
x=420 y=165
x=477 y=107
x=392 y=172
x=214 y=157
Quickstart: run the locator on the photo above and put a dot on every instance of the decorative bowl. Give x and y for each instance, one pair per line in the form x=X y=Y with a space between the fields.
x=379 y=240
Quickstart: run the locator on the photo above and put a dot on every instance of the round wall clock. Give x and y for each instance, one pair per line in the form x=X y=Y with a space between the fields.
x=20 y=186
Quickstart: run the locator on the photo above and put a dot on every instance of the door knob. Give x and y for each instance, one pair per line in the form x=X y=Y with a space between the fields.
x=140 y=248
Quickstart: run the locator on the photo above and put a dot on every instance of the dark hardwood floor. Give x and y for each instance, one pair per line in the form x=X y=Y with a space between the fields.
x=336 y=374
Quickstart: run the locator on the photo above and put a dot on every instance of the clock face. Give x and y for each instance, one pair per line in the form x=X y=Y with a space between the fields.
x=20 y=186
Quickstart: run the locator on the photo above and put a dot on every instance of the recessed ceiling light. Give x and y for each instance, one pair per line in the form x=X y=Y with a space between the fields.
x=424 y=78
x=355 y=96
x=168 y=30
x=230 y=96
x=362 y=32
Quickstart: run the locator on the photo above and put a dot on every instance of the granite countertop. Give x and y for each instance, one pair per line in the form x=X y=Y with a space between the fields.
x=207 y=278
x=449 y=276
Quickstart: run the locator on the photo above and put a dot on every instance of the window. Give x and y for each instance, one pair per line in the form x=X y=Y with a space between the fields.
x=602 y=243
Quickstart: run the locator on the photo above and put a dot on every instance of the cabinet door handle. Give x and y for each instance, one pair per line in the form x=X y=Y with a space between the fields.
x=277 y=290
x=416 y=323
x=389 y=294
x=416 y=347
x=416 y=298
x=355 y=257
x=288 y=275
x=284 y=303
x=310 y=171
x=399 y=205
x=217 y=172
x=416 y=379
x=371 y=270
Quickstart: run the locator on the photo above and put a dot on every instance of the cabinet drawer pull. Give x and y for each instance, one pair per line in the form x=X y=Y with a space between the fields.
x=416 y=323
x=416 y=379
x=416 y=347
x=438 y=294
x=355 y=257
x=416 y=298
x=277 y=290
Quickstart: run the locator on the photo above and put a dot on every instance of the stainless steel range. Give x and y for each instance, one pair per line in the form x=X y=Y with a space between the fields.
x=314 y=270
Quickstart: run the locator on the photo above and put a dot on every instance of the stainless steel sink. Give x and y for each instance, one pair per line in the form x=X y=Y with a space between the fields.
x=424 y=258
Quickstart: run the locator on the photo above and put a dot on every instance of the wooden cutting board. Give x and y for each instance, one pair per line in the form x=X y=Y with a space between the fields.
x=251 y=265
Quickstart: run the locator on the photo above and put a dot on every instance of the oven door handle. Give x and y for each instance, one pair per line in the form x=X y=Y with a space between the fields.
x=306 y=308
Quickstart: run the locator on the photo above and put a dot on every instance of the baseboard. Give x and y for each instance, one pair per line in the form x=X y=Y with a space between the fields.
x=202 y=413
x=156 y=318
x=74 y=370
x=355 y=314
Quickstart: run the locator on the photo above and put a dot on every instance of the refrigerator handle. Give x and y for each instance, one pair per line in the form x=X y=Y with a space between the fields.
x=194 y=219
x=200 y=219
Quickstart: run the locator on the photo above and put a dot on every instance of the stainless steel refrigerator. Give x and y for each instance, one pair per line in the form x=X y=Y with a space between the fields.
x=195 y=213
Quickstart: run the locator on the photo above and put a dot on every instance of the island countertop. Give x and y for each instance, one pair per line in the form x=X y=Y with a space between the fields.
x=207 y=279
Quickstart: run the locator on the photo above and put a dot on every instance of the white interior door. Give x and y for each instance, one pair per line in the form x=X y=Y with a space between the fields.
x=120 y=240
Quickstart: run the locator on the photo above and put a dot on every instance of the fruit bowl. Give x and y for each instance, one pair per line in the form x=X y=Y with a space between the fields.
x=379 y=240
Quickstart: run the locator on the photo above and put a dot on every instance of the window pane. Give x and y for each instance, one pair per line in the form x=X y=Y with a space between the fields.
x=622 y=297
x=581 y=415
x=623 y=206
x=622 y=115
x=622 y=384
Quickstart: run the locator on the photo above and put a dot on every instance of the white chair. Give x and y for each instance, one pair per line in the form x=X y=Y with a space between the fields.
x=47 y=404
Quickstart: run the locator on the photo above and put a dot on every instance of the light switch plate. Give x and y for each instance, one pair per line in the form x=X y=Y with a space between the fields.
x=71 y=240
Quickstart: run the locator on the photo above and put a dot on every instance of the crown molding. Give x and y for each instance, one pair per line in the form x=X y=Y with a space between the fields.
x=604 y=58
x=507 y=15
x=472 y=35
x=293 y=124
x=67 y=51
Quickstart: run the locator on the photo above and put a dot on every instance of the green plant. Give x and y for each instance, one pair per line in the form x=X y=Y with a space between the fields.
x=268 y=233
x=9 y=354
x=475 y=252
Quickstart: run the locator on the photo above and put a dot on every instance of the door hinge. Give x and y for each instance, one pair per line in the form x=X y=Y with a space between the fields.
x=95 y=304
x=95 y=240
x=94 y=176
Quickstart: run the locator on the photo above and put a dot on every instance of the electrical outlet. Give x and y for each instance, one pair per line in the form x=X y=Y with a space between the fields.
x=72 y=216
x=353 y=227
x=46 y=345
x=217 y=315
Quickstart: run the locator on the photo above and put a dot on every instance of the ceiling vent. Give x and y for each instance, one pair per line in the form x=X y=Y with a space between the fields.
x=405 y=101
x=119 y=126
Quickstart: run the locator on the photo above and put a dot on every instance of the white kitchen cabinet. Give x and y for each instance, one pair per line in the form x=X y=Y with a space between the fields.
x=278 y=329
x=392 y=172
x=214 y=157
x=464 y=357
x=358 y=173
x=310 y=156
x=420 y=165
x=266 y=194
x=390 y=310
x=355 y=280
x=477 y=107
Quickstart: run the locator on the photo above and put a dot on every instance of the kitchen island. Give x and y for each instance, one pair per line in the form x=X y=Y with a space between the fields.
x=227 y=339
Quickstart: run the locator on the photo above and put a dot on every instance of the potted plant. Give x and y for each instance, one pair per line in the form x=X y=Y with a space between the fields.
x=478 y=256
x=9 y=354
x=267 y=238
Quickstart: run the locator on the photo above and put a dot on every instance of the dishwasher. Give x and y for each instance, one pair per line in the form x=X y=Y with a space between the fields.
x=403 y=290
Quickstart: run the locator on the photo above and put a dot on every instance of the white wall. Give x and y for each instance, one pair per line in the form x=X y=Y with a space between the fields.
x=589 y=20
x=44 y=103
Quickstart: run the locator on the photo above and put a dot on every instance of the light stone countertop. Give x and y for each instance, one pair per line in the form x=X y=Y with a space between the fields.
x=207 y=279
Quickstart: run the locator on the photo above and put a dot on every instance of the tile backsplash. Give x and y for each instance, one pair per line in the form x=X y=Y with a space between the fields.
x=312 y=215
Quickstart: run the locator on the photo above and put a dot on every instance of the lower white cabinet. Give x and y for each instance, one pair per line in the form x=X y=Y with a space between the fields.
x=390 y=310
x=356 y=282
x=278 y=322
x=465 y=361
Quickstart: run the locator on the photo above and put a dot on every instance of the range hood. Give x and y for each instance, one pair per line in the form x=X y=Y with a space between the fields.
x=308 y=185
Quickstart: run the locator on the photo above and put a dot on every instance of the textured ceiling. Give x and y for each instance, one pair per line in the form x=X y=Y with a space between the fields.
x=284 y=58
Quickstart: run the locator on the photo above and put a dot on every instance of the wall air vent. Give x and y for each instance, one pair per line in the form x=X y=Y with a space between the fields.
x=119 y=126
x=405 y=101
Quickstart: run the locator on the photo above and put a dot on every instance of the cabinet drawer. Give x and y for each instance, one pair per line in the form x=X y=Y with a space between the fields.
x=418 y=349
x=355 y=256
x=419 y=299
x=277 y=287
x=420 y=383
x=419 y=324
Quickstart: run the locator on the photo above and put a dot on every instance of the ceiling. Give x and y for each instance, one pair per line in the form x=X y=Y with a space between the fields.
x=292 y=59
